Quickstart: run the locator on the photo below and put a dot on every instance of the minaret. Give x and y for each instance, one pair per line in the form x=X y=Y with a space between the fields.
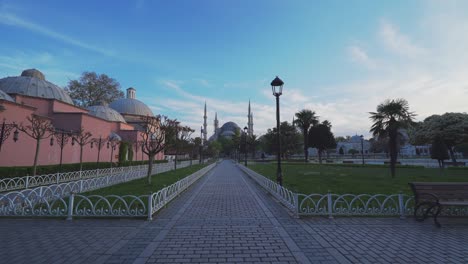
x=205 y=126
x=216 y=123
x=250 y=122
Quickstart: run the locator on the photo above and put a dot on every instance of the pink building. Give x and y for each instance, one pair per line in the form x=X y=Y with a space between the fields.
x=31 y=93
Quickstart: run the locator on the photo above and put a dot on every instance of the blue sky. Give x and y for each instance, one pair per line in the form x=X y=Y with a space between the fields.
x=338 y=58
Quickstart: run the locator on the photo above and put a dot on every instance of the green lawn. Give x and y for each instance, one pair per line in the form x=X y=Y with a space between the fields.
x=141 y=187
x=340 y=179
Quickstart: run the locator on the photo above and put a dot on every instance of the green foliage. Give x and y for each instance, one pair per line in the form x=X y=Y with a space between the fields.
x=290 y=140
x=130 y=153
x=123 y=151
x=321 y=138
x=450 y=127
x=353 y=151
x=304 y=120
x=391 y=116
x=93 y=88
x=341 y=151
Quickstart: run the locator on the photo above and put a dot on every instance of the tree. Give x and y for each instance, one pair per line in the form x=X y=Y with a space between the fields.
x=214 y=148
x=289 y=137
x=449 y=127
x=93 y=88
x=39 y=128
x=304 y=120
x=321 y=138
x=341 y=151
x=353 y=152
x=439 y=151
x=340 y=139
x=391 y=116
x=154 y=134
x=83 y=138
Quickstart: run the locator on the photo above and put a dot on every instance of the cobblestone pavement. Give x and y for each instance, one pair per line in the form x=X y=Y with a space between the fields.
x=226 y=218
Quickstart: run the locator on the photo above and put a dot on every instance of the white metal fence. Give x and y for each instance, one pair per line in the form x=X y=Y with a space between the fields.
x=331 y=204
x=19 y=183
x=63 y=201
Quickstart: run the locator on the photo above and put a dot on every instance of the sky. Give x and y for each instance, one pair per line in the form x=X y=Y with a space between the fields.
x=337 y=58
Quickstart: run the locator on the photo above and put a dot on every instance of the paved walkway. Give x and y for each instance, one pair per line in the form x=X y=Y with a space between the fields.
x=226 y=218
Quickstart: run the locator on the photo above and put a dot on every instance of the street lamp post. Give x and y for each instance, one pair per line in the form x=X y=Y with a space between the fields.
x=112 y=143
x=201 y=145
x=5 y=132
x=245 y=146
x=362 y=149
x=277 y=89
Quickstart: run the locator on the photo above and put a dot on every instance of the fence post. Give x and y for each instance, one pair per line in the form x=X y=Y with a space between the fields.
x=58 y=176
x=81 y=186
x=401 y=205
x=150 y=207
x=330 y=205
x=296 y=200
x=70 y=207
x=27 y=182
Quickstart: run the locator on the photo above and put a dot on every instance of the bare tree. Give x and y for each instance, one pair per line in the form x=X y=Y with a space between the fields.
x=154 y=134
x=39 y=128
x=83 y=138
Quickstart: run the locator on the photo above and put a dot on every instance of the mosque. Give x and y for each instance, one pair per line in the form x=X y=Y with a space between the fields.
x=228 y=129
x=31 y=94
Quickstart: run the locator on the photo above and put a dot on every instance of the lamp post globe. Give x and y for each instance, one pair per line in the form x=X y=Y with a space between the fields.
x=277 y=90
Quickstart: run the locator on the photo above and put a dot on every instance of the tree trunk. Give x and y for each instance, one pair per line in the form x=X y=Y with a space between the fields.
x=150 y=167
x=306 y=153
x=319 y=155
x=392 y=145
x=81 y=157
x=38 y=144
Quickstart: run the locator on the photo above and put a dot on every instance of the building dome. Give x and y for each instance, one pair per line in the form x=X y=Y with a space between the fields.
x=105 y=112
x=231 y=126
x=5 y=96
x=130 y=105
x=33 y=83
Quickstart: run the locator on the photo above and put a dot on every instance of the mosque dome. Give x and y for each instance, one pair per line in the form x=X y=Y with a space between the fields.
x=130 y=105
x=5 y=96
x=105 y=112
x=33 y=83
x=228 y=129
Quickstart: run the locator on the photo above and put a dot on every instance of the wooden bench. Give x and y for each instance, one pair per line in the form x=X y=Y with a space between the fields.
x=430 y=197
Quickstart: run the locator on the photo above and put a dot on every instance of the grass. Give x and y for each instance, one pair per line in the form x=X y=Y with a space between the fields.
x=341 y=179
x=141 y=186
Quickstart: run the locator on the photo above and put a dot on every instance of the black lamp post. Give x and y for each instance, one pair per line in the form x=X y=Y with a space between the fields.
x=277 y=89
x=5 y=132
x=362 y=149
x=245 y=146
x=201 y=144
x=112 y=143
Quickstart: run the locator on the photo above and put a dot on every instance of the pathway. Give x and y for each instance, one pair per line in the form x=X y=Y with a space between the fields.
x=226 y=218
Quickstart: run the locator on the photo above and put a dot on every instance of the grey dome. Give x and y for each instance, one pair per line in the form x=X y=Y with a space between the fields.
x=230 y=126
x=32 y=83
x=105 y=112
x=5 y=96
x=131 y=106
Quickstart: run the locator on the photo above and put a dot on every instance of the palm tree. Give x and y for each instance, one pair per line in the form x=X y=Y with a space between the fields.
x=391 y=116
x=304 y=120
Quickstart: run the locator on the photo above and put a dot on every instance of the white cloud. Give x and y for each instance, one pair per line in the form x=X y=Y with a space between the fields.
x=360 y=56
x=14 y=20
x=397 y=42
